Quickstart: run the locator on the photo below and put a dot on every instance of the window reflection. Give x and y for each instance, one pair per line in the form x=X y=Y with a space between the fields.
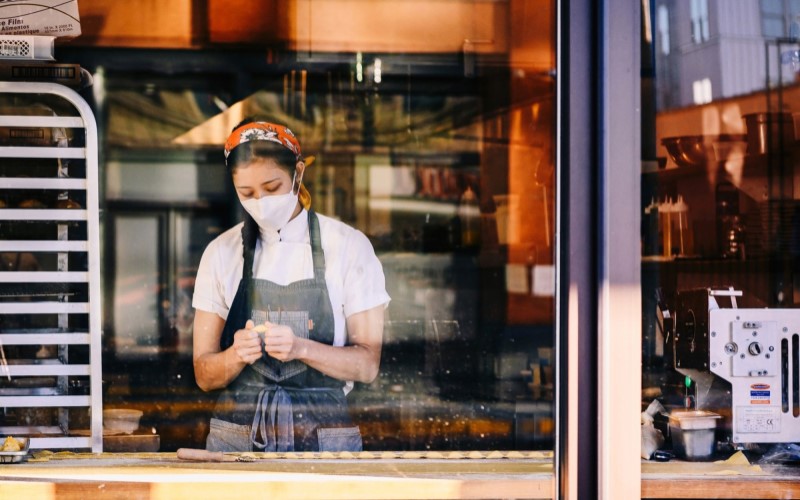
x=444 y=158
x=719 y=232
x=456 y=195
x=699 y=14
x=136 y=294
x=663 y=29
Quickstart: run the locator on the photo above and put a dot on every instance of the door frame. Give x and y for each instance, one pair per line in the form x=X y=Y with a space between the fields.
x=598 y=331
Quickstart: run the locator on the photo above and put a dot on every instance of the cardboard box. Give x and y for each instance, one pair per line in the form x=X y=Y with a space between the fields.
x=58 y=18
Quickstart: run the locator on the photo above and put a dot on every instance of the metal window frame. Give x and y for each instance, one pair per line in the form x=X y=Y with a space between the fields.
x=599 y=284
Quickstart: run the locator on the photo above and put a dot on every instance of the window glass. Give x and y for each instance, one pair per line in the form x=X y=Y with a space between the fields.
x=441 y=153
x=773 y=27
x=663 y=29
x=719 y=269
x=699 y=21
x=701 y=91
x=772 y=7
x=136 y=273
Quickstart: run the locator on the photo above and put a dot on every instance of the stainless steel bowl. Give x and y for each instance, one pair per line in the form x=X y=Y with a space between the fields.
x=689 y=150
x=700 y=150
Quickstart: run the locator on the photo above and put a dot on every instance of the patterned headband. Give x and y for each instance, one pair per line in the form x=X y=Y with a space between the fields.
x=263 y=131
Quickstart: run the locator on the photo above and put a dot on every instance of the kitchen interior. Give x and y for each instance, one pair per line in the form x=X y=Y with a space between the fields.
x=441 y=152
x=720 y=240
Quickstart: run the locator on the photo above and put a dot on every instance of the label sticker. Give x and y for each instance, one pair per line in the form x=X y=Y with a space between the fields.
x=759 y=397
x=757 y=419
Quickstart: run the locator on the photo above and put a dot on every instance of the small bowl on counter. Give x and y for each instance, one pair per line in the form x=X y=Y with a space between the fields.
x=121 y=420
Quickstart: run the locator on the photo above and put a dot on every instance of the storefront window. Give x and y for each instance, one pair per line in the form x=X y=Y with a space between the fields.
x=408 y=161
x=719 y=271
x=440 y=148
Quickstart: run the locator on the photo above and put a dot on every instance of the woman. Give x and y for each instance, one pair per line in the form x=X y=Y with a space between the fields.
x=289 y=308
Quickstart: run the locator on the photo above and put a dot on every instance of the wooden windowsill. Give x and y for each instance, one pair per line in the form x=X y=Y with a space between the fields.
x=163 y=475
x=679 y=479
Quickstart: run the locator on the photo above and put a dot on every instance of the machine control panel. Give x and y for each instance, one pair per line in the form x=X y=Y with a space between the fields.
x=756 y=353
x=755 y=350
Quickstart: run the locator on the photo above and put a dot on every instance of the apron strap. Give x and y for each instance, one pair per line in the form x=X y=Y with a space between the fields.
x=316 y=245
x=278 y=434
x=274 y=419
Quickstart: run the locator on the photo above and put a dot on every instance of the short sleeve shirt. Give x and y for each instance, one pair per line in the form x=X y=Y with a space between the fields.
x=353 y=273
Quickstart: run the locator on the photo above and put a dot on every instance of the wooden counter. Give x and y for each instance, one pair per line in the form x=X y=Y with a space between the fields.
x=384 y=476
x=164 y=476
x=702 y=480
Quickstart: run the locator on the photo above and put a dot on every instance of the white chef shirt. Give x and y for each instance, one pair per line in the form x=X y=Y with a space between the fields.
x=353 y=273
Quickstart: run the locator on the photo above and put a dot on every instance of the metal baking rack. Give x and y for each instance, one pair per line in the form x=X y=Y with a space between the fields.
x=41 y=306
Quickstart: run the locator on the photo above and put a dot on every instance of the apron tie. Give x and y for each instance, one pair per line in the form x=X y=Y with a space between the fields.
x=280 y=434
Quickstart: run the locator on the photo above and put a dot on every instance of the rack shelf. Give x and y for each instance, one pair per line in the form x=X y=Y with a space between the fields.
x=62 y=323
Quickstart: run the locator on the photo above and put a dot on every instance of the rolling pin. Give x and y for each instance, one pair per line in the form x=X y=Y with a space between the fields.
x=209 y=456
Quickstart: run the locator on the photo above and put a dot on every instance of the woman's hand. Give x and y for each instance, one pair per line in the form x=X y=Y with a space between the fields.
x=359 y=360
x=214 y=368
x=280 y=342
x=247 y=344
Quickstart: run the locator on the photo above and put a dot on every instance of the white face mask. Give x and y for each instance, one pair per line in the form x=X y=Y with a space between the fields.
x=272 y=213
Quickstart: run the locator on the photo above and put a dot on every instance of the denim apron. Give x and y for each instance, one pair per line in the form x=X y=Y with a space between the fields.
x=283 y=406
